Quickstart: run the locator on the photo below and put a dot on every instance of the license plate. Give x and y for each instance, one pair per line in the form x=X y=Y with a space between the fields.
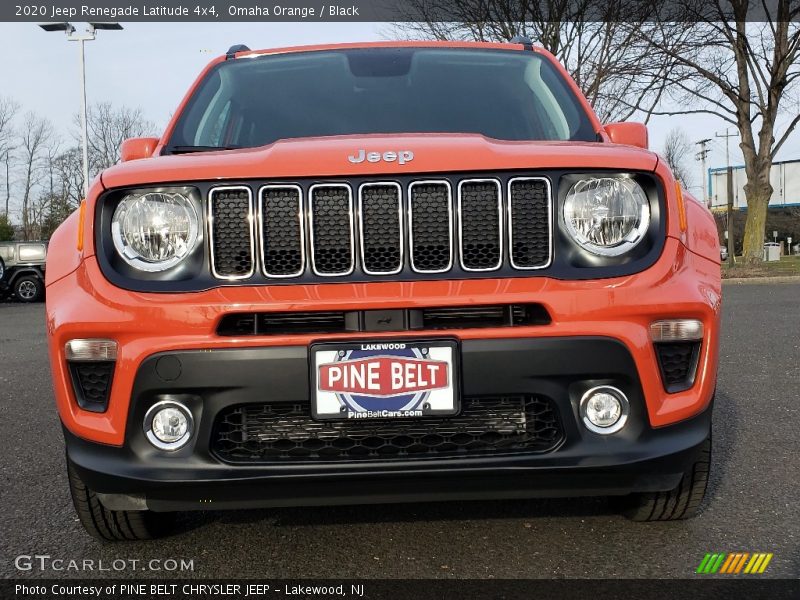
x=383 y=380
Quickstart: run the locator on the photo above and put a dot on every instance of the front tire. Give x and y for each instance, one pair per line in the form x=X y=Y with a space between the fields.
x=28 y=288
x=682 y=502
x=114 y=525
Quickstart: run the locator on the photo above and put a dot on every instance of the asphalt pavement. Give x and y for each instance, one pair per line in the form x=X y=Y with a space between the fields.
x=752 y=504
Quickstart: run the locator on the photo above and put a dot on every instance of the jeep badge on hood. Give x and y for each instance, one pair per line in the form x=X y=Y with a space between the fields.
x=402 y=156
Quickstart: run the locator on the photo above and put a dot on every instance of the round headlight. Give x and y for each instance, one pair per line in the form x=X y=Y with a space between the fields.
x=607 y=215
x=154 y=231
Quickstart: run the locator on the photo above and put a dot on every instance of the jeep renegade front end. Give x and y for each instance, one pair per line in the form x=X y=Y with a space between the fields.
x=383 y=273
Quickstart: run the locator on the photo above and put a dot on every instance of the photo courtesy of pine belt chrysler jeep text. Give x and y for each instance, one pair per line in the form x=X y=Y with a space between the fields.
x=388 y=272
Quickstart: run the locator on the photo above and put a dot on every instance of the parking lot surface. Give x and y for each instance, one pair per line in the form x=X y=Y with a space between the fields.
x=752 y=504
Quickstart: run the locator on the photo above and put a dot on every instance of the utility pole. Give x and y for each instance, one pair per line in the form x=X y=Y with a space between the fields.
x=701 y=156
x=89 y=35
x=727 y=136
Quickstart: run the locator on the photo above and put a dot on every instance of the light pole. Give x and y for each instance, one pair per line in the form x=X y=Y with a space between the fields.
x=89 y=34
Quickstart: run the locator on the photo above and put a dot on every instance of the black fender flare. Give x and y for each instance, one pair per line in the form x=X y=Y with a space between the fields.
x=19 y=271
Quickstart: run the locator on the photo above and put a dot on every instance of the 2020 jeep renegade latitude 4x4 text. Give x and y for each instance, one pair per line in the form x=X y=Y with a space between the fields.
x=383 y=272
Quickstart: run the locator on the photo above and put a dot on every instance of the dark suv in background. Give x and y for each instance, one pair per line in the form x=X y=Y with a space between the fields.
x=22 y=267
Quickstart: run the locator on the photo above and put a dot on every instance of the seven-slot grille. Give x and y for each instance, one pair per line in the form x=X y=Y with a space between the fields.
x=380 y=228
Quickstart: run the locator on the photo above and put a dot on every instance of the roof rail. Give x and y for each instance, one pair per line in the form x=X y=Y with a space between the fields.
x=524 y=40
x=231 y=53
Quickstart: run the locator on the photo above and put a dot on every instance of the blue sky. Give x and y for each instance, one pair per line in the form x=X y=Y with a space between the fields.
x=150 y=65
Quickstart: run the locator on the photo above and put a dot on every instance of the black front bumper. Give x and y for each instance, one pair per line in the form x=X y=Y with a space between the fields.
x=638 y=458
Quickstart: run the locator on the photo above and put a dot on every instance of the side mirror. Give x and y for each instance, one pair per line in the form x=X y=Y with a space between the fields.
x=136 y=148
x=630 y=134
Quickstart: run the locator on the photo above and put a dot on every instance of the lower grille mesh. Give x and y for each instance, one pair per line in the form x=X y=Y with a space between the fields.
x=283 y=432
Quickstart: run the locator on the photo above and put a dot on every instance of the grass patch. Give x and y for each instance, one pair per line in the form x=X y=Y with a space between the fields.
x=787 y=266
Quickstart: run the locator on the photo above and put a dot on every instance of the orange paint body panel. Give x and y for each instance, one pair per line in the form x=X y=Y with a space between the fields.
x=84 y=305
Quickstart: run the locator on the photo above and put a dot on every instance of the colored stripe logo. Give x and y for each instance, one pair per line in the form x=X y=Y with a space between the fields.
x=734 y=563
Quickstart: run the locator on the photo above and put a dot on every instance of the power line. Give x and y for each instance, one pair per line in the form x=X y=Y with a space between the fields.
x=729 y=185
x=701 y=156
x=727 y=137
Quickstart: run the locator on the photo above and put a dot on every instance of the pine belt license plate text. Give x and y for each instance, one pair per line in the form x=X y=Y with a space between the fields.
x=383 y=380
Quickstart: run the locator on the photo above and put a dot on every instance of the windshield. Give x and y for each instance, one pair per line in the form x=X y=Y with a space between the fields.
x=506 y=95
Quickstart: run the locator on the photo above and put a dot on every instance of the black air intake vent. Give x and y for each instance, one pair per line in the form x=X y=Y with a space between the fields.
x=91 y=382
x=467 y=317
x=450 y=317
x=678 y=364
x=290 y=323
x=284 y=432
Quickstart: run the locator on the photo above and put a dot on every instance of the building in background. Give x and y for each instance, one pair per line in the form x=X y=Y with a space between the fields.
x=785 y=178
x=783 y=216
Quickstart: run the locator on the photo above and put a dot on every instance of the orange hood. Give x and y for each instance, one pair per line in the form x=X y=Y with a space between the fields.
x=329 y=157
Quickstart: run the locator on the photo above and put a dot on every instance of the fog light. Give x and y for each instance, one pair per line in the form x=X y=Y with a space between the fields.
x=604 y=409
x=168 y=425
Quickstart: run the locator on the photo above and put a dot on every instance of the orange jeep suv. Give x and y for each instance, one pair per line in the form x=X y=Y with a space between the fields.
x=391 y=272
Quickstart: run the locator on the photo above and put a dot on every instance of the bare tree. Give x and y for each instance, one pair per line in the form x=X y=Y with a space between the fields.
x=598 y=43
x=69 y=171
x=742 y=72
x=676 y=148
x=45 y=177
x=34 y=136
x=8 y=110
x=8 y=158
x=108 y=126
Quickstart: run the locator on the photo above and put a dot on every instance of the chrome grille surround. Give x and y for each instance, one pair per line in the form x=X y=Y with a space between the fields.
x=499 y=224
x=211 y=233
x=362 y=232
x=301 y=225
x=311 y=209
x=411 y=240
x=510 y=206
x=461 y=221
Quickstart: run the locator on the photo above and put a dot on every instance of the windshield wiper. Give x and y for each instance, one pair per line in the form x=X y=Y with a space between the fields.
x=189 y=149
